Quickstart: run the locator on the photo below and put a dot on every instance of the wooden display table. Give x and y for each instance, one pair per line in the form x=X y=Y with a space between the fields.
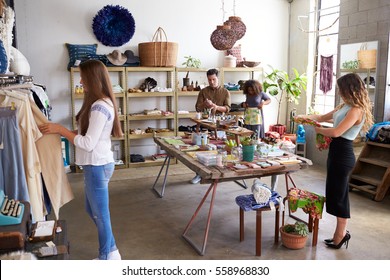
x=215 y=175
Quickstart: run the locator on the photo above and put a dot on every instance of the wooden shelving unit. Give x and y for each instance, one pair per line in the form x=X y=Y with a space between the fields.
x=137 y=102
x=371 y=173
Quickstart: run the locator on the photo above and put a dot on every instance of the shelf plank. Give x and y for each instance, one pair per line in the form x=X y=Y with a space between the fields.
x=187 y=93
x=150 y=94
x=377 y=162
x=150 y=135
x=366 y=188
x=366 y=179
x=149 y=117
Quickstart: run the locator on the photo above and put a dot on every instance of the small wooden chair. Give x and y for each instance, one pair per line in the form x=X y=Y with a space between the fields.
x=311 y=203
x=245 y=204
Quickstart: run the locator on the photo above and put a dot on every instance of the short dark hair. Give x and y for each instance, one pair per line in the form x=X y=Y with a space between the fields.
x=211 y=72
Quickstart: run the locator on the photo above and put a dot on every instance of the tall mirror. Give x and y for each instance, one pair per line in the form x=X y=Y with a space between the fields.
x=361 y=58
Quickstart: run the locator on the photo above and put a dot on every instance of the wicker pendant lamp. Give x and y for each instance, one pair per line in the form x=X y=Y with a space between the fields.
x=238 y=27
x=223 y=38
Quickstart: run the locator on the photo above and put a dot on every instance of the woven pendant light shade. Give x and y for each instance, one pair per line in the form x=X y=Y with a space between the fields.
x=223 y=38
x=238 y=27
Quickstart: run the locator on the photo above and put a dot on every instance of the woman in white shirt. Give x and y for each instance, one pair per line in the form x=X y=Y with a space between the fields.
x=97 y=121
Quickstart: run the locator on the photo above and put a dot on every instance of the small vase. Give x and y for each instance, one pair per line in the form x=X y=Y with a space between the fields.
x=248 y=153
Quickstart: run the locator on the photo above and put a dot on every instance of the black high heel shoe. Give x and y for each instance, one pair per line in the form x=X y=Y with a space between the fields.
x=345 y=240
x=330 y=240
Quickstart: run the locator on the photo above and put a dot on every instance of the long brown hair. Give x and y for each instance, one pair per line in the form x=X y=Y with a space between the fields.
x=98 y=86
x=353 y=90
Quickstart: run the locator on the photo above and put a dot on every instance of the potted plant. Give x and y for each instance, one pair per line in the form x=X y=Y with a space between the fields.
x=248 y=148
x=279 y=83
x=294 y=236
x=190 y=62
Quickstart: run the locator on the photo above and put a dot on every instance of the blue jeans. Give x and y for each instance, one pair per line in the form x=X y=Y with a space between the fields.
x=96 y=180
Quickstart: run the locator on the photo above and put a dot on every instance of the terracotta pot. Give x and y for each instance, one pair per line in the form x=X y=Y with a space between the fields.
x=292 y=241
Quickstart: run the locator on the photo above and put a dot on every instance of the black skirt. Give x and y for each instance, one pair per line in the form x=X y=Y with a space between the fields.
x=341 y=160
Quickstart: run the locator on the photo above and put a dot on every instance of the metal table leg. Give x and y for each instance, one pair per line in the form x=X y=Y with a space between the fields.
x=243 y=184
x=166 y=162
x=202 y=250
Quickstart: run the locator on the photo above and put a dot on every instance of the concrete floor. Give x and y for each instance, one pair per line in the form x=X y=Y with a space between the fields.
x=150 y=228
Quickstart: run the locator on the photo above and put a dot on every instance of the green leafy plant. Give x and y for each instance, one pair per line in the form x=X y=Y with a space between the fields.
x=247 y=141
x=278 y=82
x=191 y=62
x=350 y=64
x=298 y=228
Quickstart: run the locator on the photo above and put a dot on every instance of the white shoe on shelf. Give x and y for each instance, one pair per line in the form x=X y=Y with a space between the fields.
x=196 y=179
x=114 y=255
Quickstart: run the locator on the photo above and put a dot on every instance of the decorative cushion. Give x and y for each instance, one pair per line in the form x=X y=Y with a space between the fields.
x=80 y=52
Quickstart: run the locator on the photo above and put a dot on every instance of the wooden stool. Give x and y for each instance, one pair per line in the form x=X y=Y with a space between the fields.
x=249 y=198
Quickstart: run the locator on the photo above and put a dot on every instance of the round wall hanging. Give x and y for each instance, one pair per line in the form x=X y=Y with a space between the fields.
x=113 y=25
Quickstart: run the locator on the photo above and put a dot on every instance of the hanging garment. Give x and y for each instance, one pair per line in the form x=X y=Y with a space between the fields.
x=326 y=73
x=52 y=165
x=29 y=133
x=12 y=176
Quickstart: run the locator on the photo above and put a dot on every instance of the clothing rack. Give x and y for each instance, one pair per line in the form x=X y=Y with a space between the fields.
x=7 y=80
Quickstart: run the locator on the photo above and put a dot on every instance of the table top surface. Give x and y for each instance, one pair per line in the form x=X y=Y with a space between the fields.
x=211 y=173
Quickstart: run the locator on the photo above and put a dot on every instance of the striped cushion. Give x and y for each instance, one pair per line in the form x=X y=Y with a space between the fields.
x=80 y=52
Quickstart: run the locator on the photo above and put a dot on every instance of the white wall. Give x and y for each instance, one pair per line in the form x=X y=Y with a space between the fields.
x=43 y=27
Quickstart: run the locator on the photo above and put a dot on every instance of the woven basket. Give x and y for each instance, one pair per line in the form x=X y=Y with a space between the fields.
x=159 y=52
x=367 y=59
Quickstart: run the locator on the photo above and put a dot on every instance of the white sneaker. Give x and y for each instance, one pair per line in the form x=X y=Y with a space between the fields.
x=196 y=179
x=114 y=255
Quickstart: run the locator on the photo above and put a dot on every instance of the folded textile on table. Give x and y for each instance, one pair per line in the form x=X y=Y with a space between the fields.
x=248 y=202
x=261 y=192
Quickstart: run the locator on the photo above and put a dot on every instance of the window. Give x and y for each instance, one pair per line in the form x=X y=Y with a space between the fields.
x=326 y=40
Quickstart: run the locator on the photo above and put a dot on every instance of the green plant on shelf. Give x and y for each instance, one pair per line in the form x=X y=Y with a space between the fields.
x=350 y=64
x=191 y=62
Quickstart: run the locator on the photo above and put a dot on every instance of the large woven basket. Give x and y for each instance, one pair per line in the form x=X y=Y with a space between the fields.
x=159 y=52
x=367 y=59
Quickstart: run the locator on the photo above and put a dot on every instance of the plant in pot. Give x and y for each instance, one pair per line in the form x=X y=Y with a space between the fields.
x=248 y=148
x=294 y=236
x=280 y=85
x=190 y=62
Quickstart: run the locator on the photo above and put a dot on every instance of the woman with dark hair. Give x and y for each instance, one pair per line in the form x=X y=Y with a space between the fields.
x=97 y=122
x=255 y=100
x=353 y=115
